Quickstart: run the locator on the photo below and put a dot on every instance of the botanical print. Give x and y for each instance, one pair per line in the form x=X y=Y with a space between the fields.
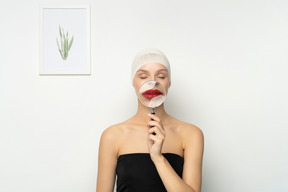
x=64 y=39
x=65 y=43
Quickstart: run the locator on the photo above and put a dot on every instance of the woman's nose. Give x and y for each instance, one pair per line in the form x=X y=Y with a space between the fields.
x=153 y=78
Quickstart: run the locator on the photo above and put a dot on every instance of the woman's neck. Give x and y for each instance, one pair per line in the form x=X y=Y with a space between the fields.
x=143 y=111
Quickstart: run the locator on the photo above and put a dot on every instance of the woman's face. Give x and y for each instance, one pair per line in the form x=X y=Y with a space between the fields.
x=152 y=71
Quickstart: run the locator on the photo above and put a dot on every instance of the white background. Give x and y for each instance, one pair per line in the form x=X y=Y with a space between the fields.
x=229 y=66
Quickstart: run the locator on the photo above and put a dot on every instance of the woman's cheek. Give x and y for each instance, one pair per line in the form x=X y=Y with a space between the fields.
x=137 y=85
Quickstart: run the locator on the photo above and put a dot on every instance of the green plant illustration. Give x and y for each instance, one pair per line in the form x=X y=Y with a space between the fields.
x=65 y=43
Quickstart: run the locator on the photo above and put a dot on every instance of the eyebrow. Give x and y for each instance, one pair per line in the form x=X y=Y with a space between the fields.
x=145 y=71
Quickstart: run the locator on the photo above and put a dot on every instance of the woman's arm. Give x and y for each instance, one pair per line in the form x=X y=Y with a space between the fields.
x=192 y=169
x=193 y=155
x=107 y=161
x=193 y=144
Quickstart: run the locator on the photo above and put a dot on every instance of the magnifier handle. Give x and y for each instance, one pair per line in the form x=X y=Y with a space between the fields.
x=151 y=118
x=153 y=112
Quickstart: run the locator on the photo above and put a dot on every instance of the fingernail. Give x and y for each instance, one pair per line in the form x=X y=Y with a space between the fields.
x=149 y=114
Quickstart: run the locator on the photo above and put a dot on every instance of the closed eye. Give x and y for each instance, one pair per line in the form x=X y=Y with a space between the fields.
x=161 y=76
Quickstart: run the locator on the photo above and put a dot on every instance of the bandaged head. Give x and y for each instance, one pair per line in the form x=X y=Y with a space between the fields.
x=148 y=56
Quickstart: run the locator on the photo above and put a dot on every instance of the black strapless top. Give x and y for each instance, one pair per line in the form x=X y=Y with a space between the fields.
x=136 y=172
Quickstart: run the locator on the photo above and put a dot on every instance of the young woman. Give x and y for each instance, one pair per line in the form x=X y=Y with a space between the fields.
x=150 y=153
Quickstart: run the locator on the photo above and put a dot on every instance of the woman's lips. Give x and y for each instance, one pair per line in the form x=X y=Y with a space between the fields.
x=151 y=93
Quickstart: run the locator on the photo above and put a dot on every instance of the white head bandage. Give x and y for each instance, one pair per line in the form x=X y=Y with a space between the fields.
x=149 y=56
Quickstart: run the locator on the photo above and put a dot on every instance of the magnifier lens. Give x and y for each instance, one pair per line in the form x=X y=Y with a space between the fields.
x=152 y=94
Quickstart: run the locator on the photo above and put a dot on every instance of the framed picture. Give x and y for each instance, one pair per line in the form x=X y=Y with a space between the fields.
x=64 y=39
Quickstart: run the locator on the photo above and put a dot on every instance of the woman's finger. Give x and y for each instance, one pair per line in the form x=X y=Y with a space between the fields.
x=156 y=124
x=156 y=138
x=154 y=130
x=159 y=138
x=154 y=117
x=152 y=138
x=157 y=132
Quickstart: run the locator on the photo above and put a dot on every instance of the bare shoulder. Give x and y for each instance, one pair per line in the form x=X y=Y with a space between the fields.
x=191 y=130
x=184 y=127
x=112 y=133
x=188 y=131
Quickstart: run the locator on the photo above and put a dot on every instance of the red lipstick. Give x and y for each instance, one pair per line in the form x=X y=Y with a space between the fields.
x=151 y=93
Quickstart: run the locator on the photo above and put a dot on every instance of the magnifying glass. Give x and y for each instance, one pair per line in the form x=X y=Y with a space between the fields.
x=152 y=94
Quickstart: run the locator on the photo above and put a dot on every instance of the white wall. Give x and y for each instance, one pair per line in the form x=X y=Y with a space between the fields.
x=229 y=77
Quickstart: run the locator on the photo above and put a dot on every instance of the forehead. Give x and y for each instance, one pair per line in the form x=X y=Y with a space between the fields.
x=152 y=67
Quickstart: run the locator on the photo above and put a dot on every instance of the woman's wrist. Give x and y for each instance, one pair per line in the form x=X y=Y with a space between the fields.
x=158 y=158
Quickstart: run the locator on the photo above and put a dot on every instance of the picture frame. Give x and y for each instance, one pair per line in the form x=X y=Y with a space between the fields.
x=64 y=39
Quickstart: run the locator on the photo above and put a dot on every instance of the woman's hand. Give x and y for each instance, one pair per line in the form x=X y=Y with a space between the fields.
x=155 y=141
